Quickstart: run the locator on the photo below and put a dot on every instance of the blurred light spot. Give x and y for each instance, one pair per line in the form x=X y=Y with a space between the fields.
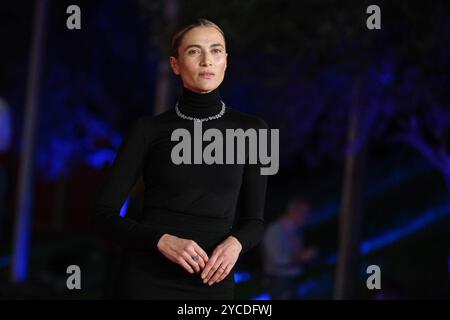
x=262 y=296
x=123 y=211
x=240 y=277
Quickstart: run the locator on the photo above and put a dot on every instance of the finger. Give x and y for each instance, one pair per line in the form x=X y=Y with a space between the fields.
x=213 y=270
x=211 y=273
x=220 y=270
x=185 y=265
x=202 y=254
x=208 y=266
x=200 y=262
x=225 y=273
x=188 y=259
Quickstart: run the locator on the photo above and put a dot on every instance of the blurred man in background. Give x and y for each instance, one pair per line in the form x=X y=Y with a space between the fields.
x=284 y=253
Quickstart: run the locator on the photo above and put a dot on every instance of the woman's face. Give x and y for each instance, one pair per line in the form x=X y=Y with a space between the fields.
x=202 y=59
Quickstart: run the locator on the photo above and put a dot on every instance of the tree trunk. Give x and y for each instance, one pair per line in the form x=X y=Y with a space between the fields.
x=351 y=205
x=170 y=12
x=23 y=217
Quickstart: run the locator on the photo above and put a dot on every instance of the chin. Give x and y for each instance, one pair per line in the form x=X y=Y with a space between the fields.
x=205 y=88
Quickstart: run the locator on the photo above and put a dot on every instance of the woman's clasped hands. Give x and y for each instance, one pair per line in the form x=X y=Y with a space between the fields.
x=189 y=255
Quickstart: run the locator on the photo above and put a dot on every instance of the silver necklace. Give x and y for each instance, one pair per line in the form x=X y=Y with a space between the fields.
x=183 y=116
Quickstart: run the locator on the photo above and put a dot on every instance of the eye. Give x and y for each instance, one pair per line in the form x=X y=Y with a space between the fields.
x=216 y=50
x=193 y=51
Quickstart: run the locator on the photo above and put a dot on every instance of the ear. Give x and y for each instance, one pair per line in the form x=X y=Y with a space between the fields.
x=174 y=64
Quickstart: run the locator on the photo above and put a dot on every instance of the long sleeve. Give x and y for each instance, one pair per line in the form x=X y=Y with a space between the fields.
x=249 y=228
x=124 y=173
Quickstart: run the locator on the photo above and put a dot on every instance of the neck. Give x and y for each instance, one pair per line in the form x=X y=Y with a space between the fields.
x=199 y=104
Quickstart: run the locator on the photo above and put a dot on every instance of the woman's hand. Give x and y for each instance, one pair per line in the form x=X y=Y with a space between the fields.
x=222 y=260
x=183 y=252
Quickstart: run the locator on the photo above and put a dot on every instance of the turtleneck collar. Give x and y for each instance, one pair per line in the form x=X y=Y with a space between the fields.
x=199 y=105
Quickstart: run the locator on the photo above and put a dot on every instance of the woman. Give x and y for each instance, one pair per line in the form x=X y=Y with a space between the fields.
x=188 y=238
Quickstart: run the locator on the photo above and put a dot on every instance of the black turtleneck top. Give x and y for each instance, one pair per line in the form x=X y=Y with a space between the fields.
x=202 y=202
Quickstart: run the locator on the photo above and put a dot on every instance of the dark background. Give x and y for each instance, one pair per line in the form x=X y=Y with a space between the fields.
x=306 y=67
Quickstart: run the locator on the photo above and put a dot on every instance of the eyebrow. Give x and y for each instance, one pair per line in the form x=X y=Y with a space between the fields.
x=198 y=46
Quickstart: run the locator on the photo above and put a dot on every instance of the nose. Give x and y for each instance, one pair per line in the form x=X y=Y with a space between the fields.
x=206 y=59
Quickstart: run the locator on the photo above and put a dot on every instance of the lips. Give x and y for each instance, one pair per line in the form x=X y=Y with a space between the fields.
x=206 y=75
